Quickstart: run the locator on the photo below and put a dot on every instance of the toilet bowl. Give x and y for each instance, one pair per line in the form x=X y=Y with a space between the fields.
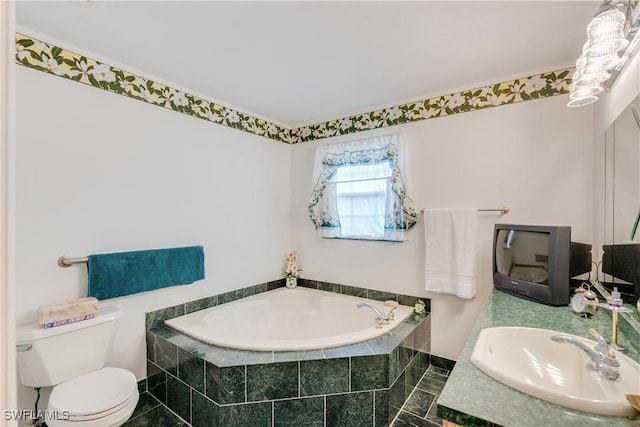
x=71 y=359
x=106 y=397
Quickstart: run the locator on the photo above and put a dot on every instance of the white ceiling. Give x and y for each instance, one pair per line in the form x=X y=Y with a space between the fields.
x=298 y=63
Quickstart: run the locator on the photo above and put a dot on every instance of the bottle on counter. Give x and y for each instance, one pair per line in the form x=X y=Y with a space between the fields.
x=615 y=300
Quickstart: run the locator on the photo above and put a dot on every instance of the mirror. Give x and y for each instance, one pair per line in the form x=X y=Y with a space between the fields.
x=620 y=258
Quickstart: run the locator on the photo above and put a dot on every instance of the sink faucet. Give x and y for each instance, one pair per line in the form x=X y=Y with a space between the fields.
x=602 y=356
x=381 y=316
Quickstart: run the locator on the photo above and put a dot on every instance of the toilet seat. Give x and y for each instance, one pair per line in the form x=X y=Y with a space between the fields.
x=115 y=419
x=105 y=397
x=99 y=415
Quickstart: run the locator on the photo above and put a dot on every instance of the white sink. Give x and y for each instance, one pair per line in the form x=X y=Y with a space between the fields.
x=527 y=360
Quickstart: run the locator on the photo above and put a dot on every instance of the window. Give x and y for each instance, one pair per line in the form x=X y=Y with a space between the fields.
x=361 y=195
x=358 y=191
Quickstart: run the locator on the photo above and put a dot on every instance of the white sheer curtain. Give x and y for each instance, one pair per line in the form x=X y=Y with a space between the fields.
x=359 y=192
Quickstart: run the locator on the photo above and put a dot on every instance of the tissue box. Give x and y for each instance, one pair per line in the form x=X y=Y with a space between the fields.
x=67 y=311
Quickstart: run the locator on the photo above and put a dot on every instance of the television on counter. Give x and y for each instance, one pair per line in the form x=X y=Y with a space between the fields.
x=537 y=262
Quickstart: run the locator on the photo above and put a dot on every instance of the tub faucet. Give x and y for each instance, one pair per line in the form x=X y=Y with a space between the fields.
x=392 y=306
x=381 y=319
x=602 y=356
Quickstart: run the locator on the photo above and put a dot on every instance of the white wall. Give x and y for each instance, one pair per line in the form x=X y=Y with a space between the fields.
x=98 y=172
x=534 y=157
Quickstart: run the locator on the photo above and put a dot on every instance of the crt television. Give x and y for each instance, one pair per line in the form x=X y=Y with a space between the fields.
x=537 y=262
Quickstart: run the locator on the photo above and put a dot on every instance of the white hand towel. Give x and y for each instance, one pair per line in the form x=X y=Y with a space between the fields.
x=450 y=255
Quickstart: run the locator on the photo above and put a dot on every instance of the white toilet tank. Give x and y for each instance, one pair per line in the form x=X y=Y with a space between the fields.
x=46 y=357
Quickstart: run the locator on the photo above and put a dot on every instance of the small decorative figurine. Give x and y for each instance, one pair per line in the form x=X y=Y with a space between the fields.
x=291 y=272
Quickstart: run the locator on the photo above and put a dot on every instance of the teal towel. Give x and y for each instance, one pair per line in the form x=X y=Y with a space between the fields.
x=126 y=273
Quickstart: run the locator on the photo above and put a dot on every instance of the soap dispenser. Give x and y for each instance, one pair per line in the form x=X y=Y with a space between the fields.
x=615 y=300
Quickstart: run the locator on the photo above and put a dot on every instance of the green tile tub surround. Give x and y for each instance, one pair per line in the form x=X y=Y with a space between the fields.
x=225 y=385
x=369 y=380
x=252 y=414
x=179 y=398
x=380 y=383
x=55 y=60
x=157 y=382
x=350 y=410
x=190 y=370
x=303 y=411
x=382 y=408
x=299 y=412
x=204 y=412
x=327 y=376
x=370 y=372
x=272 y=381
x=470 y=397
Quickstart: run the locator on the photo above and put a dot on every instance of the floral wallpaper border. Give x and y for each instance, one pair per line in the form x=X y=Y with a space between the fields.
x=52 y=59
x=523 y=89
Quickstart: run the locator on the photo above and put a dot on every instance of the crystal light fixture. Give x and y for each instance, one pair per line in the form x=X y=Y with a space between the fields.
x=612 y=40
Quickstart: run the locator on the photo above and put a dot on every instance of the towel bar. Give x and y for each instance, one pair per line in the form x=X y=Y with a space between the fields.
x=66 y=261
x=503 y=209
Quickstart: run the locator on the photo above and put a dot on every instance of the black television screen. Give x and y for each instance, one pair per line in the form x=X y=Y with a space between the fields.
x=537 y=262
x=524 y=255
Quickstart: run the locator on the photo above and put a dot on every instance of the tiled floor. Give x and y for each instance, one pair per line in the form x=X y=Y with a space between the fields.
x=151 y=413
x=418 y=411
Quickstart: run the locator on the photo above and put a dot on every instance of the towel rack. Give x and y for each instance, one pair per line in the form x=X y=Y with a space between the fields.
x=66 y=261
x=503 y=210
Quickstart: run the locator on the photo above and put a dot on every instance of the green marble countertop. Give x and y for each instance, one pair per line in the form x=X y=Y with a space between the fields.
x=470 y=397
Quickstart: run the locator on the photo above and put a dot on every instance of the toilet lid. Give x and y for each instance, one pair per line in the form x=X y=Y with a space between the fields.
x=93 y=393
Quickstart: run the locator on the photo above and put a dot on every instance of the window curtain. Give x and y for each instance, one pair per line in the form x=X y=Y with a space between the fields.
x=380 y=161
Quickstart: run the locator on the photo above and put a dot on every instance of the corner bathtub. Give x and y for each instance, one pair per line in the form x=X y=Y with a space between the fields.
x=288 y=320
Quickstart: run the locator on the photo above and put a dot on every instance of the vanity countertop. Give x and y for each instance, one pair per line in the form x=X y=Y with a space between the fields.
x=470 y=397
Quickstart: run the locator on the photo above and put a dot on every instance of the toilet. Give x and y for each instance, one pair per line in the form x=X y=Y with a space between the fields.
x=71 y=359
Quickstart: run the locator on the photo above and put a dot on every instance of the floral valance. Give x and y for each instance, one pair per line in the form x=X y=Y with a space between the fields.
x=397 y=212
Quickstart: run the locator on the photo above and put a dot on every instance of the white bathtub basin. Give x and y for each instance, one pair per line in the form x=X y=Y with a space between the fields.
x=527 y=360
x=288 y=320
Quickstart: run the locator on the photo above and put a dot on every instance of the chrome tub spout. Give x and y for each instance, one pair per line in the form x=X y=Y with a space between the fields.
x=381 y=319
